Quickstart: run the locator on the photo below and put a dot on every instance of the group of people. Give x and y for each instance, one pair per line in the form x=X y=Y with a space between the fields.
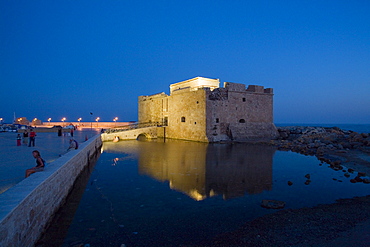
x=60 y=131
x=30 y=141
x=40 y=162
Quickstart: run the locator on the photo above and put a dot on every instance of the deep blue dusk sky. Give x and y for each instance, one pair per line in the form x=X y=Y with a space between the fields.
x=69 y=58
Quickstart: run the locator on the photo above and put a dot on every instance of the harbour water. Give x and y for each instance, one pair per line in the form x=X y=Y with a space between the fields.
x=185 y=193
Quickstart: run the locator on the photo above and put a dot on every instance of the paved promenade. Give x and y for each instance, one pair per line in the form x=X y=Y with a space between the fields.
x=16 y=159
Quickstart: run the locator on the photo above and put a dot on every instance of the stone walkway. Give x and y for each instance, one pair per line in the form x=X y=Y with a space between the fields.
x=16 y=159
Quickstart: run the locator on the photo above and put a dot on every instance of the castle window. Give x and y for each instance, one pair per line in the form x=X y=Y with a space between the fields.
x=165 y=121
x=197 y=102
x=195 y=122
x=242 y=121
x=217 y=120
x=183 y=119
x=243 y=99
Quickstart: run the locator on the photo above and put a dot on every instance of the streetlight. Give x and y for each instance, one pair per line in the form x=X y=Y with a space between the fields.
x=91 y=116
x=49 y=120
x=97 y=119
x=63 y=119
x=1 y=120
x=115 y=119
x=79 y=120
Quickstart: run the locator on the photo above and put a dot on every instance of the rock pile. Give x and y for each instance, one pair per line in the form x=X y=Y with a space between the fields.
x=321 y=140
x=330 y=145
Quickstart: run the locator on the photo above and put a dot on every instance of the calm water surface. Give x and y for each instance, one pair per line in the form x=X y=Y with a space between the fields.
x=182 y=193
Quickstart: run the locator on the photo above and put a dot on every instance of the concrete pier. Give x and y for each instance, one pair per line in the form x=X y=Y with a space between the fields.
x=27 y=207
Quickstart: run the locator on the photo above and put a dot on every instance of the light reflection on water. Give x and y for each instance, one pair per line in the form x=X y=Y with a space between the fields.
x=202 y=170
x=173 y=193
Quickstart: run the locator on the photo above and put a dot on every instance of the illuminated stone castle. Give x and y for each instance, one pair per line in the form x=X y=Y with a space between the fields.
x=200 y=110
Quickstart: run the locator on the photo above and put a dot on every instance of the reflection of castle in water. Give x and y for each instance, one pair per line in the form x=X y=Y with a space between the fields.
x=202 y=170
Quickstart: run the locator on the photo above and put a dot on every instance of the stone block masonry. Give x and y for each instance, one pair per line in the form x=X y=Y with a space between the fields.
x=26 y=208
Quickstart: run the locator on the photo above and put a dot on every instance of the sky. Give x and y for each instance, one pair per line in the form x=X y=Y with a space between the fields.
x=69 y=58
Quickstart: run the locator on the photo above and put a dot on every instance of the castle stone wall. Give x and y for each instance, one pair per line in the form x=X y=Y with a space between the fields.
x=235 y=113
x=187 y=116
x=152 y=108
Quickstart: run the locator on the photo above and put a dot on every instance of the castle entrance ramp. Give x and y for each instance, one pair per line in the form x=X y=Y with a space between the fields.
x=131 y=134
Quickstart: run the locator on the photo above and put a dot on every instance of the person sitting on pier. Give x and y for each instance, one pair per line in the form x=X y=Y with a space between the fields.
x=73 y=144
x=116 y=139
x=40 y=164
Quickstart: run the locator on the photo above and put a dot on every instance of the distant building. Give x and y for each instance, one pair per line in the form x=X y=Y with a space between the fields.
x=22 y=121
x=200 y=110
x=36 y=121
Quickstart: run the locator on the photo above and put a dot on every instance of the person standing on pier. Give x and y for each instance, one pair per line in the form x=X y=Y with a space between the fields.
x=32 y=138
x=25 y=137
x=19 y=138
x=59 y=131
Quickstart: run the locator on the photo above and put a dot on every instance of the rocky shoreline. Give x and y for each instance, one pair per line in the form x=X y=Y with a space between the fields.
x=317 y=140
x=344 y=223
x=333 y=146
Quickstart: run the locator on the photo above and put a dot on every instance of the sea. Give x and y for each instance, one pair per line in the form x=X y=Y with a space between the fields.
x=180 y=193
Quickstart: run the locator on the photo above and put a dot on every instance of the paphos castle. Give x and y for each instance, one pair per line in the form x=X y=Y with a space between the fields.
x=199 y=109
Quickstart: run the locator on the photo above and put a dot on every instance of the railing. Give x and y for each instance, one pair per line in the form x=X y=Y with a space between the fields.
x=134 y=126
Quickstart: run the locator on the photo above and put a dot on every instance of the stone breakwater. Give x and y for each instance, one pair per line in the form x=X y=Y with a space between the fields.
x=332 y=145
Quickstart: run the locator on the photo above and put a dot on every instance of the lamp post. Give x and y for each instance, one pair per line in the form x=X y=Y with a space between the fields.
x=49 y=119
x=91 y=114
x=115 y=120
x=63 y=119
x=79 y=120
x=97 y=120
x=1 y=120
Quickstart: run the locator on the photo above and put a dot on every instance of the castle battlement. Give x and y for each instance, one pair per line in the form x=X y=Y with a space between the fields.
x=153 y=96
